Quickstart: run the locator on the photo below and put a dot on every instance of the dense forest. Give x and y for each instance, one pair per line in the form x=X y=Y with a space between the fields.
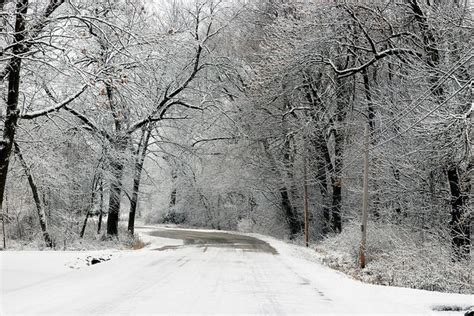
x=257 y=116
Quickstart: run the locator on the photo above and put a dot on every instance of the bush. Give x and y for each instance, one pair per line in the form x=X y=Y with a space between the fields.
x=173 y=217
x=397 y=257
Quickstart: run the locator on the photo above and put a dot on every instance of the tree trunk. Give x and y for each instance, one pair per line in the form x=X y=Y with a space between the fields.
x=115 y=197
x=93 y=194
x=292 y=221
x=174 y=191
x=336 y=206
x=460 y=223
x=36 y=197
x=336 y=182
x=290 y=210
x=368 y=98
x=12 y=112
x=285 y=201
x=117 y=168
x=84 y=225
x=101 y=208
x=140 y=159
x=336 y=179
x=320 y=146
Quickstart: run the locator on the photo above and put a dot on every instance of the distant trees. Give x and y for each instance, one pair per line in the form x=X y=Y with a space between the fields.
x=138 y=66
x=315 y=74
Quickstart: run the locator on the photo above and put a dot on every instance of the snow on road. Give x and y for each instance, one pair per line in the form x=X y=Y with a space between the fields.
x=198 y=278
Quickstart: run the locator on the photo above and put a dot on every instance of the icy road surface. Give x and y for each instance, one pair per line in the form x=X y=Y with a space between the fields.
x=198 y=272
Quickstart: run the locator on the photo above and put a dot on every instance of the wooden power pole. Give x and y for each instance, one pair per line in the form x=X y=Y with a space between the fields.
x=365 y=199
x=305 y=194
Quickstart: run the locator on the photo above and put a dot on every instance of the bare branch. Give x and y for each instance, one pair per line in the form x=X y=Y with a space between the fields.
x=56 y=107
x=35 y=31
x=388 y=52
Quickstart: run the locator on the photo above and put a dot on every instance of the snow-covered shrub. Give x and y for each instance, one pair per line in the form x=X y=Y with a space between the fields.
x=244 y=225
x=173 y=217
x=399 y=257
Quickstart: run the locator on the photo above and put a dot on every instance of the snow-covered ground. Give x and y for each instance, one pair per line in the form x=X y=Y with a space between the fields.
x=191 y=279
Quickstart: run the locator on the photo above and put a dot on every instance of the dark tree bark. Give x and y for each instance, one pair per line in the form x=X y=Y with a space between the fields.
x=12 y=113
x=101 y=207
x=285 y=201
x=368 y=98
x=294 y=223
x=336 y=207
x=117 y=168
x=84 y=225
x=291 y=218
x=460 y=222
x=95 y=183
x=342 y=104
x=36 y=197
x=140 y=159
x=319 y=145
x=119 y=143
x=174 y=191
x=323 y=187
x=322 y=165
x=115 y=198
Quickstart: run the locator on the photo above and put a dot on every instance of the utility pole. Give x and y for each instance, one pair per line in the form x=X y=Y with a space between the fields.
x=365 y=199
x=305 y=197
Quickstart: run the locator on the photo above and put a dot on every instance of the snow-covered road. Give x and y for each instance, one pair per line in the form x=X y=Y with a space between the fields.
x=209 y=274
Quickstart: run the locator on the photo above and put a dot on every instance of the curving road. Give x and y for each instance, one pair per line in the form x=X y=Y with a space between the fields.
x=214 y=239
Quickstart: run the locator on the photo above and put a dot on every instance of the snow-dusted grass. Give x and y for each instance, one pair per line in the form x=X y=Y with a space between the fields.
x=71 y=241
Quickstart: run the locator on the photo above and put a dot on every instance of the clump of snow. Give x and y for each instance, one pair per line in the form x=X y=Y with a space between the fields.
x=90 y=258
